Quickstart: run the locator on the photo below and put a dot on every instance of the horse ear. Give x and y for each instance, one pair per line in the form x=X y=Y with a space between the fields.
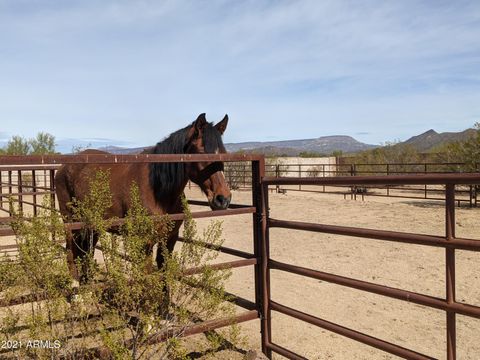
x=200 y=122
x=222 y=125
x=197 y=125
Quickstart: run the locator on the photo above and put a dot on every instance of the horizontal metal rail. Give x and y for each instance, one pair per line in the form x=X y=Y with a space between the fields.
x=284 y=352
x=25 y=193
x=222 y=249
x=223 y=266
x=27 y=298
x=408 y=238
x=399 y=294
x=122 y=159
x=352 y=334
x=103 y=352
x=179 y=216
x=422 y=179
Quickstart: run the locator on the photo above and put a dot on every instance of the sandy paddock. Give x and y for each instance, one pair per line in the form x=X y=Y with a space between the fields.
x=410 y=267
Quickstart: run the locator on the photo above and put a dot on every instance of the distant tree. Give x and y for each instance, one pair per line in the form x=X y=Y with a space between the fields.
x=17 y=145
x=310 y=154
x=391 y=153
x=43 y=143
x=467 y=151
x=337 y=153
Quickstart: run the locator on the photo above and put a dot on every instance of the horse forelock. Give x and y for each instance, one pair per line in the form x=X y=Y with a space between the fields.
x=212 y=140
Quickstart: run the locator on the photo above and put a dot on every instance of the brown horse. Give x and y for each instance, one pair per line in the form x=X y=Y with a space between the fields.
x=160 y=184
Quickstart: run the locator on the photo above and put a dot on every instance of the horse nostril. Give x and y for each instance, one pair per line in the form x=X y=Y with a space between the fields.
x=221 y=201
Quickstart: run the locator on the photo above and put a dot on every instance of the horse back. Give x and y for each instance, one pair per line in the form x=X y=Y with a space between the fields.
x=72 y=181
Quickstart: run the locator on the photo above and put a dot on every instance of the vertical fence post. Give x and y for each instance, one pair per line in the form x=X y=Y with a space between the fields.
x=470 y=194
x=265 y=251
x=1 y=190
x=2 y=201
x=299 y=175
x=426 y=191
x=34 y=189
x=52 y=187
x=277 y=175
x=20 y=190
x=450 y=269
x=259 y=229
x=9 y=191
x=323 y=169
x=243 y=175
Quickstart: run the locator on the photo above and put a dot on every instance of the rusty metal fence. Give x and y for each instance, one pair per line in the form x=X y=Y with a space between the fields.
x=238 y=176
x=449 y=242
x=13 y=175
x=33 y=177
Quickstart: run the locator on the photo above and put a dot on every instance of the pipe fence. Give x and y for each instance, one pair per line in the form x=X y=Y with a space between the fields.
x=238 y=176
x=26 y=179
x=449 y=242
x=17 y=186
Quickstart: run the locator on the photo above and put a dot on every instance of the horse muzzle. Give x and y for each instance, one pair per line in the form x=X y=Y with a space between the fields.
x=220 y=202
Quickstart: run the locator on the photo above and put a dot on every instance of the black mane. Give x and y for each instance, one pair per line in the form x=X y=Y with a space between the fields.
x=167 y=178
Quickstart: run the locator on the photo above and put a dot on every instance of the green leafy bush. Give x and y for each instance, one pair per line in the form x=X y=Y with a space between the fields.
x=127 y=305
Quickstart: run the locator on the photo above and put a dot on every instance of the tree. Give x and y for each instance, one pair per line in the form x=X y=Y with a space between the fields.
x=467 y=151
x=372 y=161
x=17 y=145
x=44 y=143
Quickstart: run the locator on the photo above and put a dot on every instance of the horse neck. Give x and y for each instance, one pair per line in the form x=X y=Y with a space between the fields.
x=168 y=183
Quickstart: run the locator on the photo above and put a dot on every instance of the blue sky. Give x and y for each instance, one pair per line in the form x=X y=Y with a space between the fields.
x=134 y=71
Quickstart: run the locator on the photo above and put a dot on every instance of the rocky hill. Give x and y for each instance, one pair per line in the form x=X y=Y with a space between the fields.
x=326 y=145
x=430 y=139
x=322 y=145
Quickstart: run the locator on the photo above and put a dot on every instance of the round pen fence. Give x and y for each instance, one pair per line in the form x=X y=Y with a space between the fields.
x=32 y=176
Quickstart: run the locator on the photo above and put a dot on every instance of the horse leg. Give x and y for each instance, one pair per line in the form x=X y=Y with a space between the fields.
x=82 y=252
x=71 y=255
x=171 y=240
x=148 y=257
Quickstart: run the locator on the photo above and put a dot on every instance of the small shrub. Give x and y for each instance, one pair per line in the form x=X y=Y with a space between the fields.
x=128 y=305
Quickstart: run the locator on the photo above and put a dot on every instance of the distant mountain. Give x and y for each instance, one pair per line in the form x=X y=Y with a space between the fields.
x=326 y=145
x=431 y=139
x=121 y=150
x=68 y=145
x=322 y=145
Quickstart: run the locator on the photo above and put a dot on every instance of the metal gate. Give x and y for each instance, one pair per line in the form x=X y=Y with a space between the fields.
x=449 y=242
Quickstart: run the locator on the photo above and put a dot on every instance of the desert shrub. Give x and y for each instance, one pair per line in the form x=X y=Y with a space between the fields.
x=467 y=152
x=400 y=156
x=127 y=305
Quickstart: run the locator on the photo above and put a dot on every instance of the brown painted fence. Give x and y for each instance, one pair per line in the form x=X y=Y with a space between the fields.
x=263 y=305
x=449 y=242
x=238 y=176
x=23 y=176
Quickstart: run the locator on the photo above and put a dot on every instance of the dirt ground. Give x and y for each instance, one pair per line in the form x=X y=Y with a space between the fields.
x=410 y=267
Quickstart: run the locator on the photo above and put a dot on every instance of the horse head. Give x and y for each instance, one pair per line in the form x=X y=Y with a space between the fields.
x=205 y=138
